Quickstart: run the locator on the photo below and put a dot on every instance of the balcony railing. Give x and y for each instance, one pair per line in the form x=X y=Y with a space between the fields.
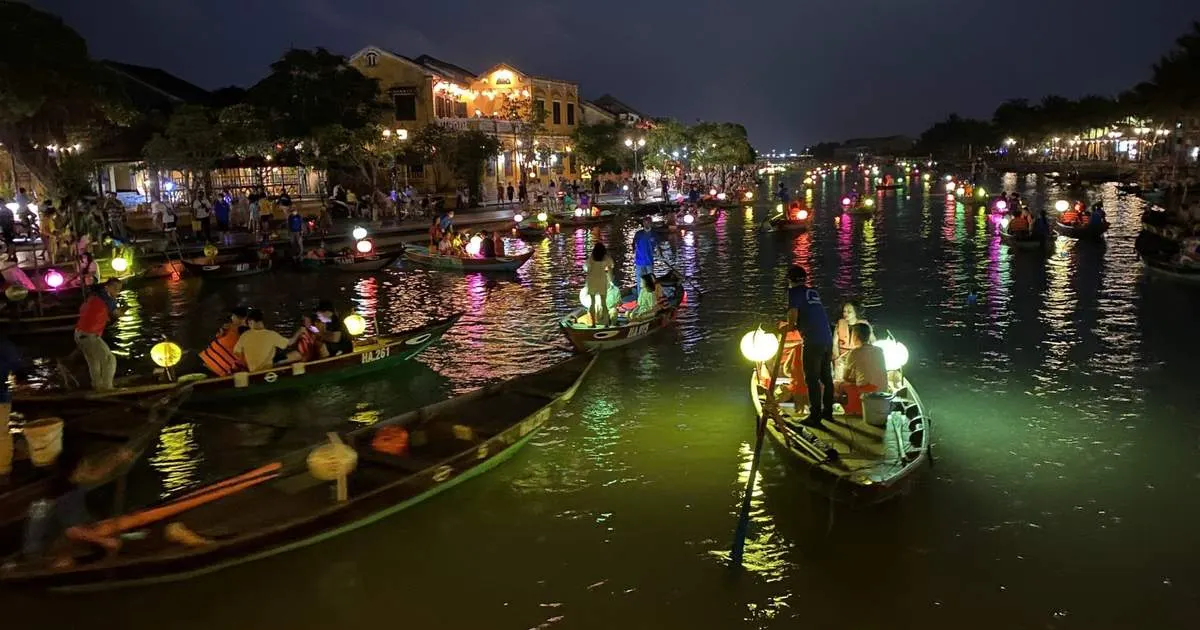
x=486 y=125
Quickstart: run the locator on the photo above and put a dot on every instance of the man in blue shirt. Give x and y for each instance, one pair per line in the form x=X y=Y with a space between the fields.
x=296 y=229
x=807 y=315
x=643 y=254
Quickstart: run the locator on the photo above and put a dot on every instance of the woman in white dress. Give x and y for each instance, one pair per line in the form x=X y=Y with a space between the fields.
x=599 y=269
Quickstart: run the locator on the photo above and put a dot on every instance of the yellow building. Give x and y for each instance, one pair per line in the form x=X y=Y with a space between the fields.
x=425 y=90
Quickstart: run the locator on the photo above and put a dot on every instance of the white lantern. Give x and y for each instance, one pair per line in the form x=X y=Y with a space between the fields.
x=578 y=212
x=759 y=345
x=895 y=355
x=1062 y=205
x=359 y=233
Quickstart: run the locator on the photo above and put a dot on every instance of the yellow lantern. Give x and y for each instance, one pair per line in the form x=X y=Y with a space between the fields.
x=16 y=292
x=759 y=345
x=210 y=251
x=542 y=217
x=895 y=354
x=166 y=354
x=355 y=324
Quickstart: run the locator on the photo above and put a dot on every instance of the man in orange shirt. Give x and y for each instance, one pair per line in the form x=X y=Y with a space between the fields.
x=97 y=311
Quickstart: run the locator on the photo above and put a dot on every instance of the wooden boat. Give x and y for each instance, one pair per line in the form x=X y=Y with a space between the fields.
x=784 y=224
x=1030 y=241
x=586 y=220
x=530 y=232
x=56 y=314
x=586 y=338
x=370 y=355
x=850 y=460
x=401 y=461
x=889 y=186
x=423 y=256
x=228 y=266
x=359 y=262
x=1171 y=267
x=1089 y=232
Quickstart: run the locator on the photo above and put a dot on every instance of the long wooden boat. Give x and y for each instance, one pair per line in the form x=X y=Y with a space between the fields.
x=784 y=224
x=228 y=266
x=368 y=356
x=586 y=220
x=278 y=507
x=849 y=460
x=423 y=256
x=1027 y=242
x=587 y=338
x=356 y=263
x=1089 y=232
x=1170 y=267
x=531 y=232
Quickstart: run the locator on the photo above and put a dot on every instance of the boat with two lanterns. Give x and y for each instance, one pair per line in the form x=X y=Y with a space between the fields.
x=624 y=329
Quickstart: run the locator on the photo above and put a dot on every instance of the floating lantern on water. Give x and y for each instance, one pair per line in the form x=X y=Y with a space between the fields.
x=895 y=354
x=355 y=324
x=474 y=244
x=759 y=345
x=518 y=217
x=54 y=279
x=359 y=233
x=689 y=219
x=364 y=246
x=542 y=216
x=1061 y=205
x=578 y=212
x=120 y=264
x=166 y=354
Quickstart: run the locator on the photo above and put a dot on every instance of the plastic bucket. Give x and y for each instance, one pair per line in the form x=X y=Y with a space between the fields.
x=45 y=441
x=876 y=407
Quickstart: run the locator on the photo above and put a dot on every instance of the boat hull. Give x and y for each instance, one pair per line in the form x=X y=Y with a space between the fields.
x=1085 y=233
x=221 y=269
x=352 y=263
x=1165 y=269
x=330 y=518
x=608 y=337
x=422 y=257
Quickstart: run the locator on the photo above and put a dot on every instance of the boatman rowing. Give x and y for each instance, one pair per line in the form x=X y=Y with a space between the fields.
x=94 y=316
x=644 y=244
x=807 y=315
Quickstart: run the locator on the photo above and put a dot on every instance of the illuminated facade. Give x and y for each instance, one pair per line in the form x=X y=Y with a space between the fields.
x=500 y=102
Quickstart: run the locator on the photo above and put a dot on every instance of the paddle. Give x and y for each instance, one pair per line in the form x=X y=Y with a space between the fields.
x=739 y=533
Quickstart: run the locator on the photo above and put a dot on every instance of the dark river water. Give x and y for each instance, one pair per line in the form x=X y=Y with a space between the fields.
x=1064 y=493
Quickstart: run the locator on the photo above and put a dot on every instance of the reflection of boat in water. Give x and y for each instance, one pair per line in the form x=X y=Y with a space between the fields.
x=850 y=459
x=288 y=502
x=587 y=338
x=1089 y=232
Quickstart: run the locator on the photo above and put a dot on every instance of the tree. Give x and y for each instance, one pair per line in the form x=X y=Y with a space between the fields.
x=53 y=94
x=824 y=150
x=469 y=151
x=1174 y=87
x=191 y=143
x=1017 y=118
x=309 y=90
x=957 y=137
x=718 y=148
x=597 y=145
x=666 y=141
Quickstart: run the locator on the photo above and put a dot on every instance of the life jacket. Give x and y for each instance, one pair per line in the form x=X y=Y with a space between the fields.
x=219 y=357
x=308 y=346
x=1070 y=217
x=1019 y=224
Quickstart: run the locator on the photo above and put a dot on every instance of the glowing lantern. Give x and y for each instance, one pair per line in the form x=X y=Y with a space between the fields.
x=120 y=265
x=748 y=195
x=980 y=192
x=585 y=298
x=925 y=177
x=542 y=216
x=359 y=233
x=1002 y=205
x=895 y=355
x=210 y=251
x=166 y=354
x=1004 y=223
x=16 y=292
x=712 y=192
x=625 y=188
x=689 y=219
x=355 y=324
x=578 y=212
x=949 y=178
x=1061 y=205
x=846 y=201
x=721 y=196
x=518 y=218
x=802 y=215
x=960 y=191
x=54 y=279
x=474 y=244
x=364 y=246
x=759 y=345
x=870 y=203
x=949 y=196
x=949 y=186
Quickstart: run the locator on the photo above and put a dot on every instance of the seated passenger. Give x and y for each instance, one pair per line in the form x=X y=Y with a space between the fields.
x=337 y=340
x=220 y=357
x=260 y=347
x=1020 y=224
x=865 y=369
x=307 y=339
x=650 y=299
x=487 y=249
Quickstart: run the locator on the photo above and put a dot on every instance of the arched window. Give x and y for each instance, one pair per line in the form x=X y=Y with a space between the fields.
x=372 y=59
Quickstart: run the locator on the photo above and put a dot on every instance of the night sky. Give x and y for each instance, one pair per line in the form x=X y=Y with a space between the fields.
x=795 y=72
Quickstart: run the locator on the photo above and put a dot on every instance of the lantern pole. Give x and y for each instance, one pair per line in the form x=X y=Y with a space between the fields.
x=739 y=533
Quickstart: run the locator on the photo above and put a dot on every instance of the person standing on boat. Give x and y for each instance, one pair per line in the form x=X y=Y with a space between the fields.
x=599 y=277
x=644 y=244
x=97 y=311
x=336 y=339
x=295 y=224
x=806 y=314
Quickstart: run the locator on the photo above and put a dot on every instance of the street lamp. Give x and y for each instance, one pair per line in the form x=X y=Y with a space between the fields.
x=635 y=145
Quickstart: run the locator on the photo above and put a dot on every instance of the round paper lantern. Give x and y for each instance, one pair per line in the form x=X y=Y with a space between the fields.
x=166 y=354
x=759 y=345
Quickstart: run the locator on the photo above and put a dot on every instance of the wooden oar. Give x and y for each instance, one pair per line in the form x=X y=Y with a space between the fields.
x=739 y=533
x=117 y=524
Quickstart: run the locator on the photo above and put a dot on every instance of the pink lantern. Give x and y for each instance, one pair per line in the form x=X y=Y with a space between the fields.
x=845 y=201
x=54 y=279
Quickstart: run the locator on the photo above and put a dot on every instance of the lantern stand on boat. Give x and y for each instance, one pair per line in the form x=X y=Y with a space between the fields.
x=166 y=355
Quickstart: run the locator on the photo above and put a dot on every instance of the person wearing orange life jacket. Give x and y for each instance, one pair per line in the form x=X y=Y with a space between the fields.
x=1020 y=224
x=307 y=340
x=219 y=356
x=94 y=316
x=1070 y=216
